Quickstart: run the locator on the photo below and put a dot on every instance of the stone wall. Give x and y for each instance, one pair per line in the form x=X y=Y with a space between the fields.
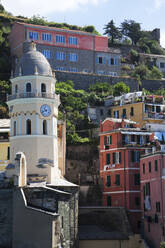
x=83 y=80
x=6 y=218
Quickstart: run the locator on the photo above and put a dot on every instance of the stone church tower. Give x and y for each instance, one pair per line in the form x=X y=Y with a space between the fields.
x=33 y=108
x=44 y=206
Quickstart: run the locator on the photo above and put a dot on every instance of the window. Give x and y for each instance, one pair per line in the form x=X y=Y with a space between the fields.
x=15 y=128
x=135 y=156
x=162 y=65
x=110 y=112
x=47 y=37
x=149 y=166
x=132 y=138
x=111 y=61
x=73 y=57
x=108 y=181
x=143 y=168
x=33 y=35
x=132 y=111
x=108 y=158
x=47 y=54
x=156 y=218
x=158 y=207
x=113 y=157
x=137 y=179
x=156 y=165
x=144 y=192
x=113 y=73
x=8 y=153
x=73 y=40
x=117 y=181
x=109 y=203
x=148 y=189
x=45 y=131
x=101 y=112
x=28 y=127
x=158 y=109
x=100 y=60
x=117 y=157
x=137 y=201
x=28 y=87
x=60 y=56
x=109 y=140
x=116 y=114
x=73 y=69
x=43 y=88
x=124 y=113
x=61 y=68
x=16 y=89
x=60 y=38
x=100 y=72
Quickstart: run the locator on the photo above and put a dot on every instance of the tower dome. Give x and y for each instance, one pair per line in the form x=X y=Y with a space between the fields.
x=32 y=62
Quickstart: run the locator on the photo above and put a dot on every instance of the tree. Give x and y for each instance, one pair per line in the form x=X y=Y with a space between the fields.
x=155 y=73
x=141 y=72
x=134 y=56
x=162 y=245
x=73 y=108
x=2 y=9
x=112 y=31
x=131 y=29
x=120 y=88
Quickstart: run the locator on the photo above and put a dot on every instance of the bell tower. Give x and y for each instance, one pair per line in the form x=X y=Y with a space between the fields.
x=33 y=107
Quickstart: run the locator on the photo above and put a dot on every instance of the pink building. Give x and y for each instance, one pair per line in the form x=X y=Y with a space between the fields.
x=152 y=174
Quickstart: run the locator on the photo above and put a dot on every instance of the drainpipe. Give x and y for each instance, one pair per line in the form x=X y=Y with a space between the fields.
x=125 y=198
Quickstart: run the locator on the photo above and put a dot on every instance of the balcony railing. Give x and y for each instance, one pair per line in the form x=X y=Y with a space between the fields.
x=158 y=116
x=32 y=95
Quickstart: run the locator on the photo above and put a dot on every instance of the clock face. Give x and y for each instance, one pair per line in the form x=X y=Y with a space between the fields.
x=45 y=110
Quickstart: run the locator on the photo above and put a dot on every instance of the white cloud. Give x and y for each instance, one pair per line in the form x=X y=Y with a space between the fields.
x=42 y=7
x=159 y=3
x=162 y=38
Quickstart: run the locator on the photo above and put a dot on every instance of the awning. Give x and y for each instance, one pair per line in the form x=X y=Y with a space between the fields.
x=136 y=133
x=5 y=130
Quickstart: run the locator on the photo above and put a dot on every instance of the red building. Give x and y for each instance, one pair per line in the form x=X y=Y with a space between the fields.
x=152 y=173
x=121 y=143
x=67 y=50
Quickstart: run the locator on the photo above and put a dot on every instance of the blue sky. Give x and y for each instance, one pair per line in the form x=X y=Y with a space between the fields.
x=150 y=13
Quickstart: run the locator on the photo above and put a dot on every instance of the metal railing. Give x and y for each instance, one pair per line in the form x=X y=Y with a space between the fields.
x=157 y=116
x=32 y=95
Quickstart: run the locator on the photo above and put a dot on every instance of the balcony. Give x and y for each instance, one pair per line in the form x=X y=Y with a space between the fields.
x=32 y=95
x=153 y=115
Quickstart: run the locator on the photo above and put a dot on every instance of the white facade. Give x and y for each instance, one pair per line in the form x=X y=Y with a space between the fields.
x=33 y=108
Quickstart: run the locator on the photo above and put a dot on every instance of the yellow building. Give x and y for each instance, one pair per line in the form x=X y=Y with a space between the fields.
x=141 y=109
x=4 y=143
